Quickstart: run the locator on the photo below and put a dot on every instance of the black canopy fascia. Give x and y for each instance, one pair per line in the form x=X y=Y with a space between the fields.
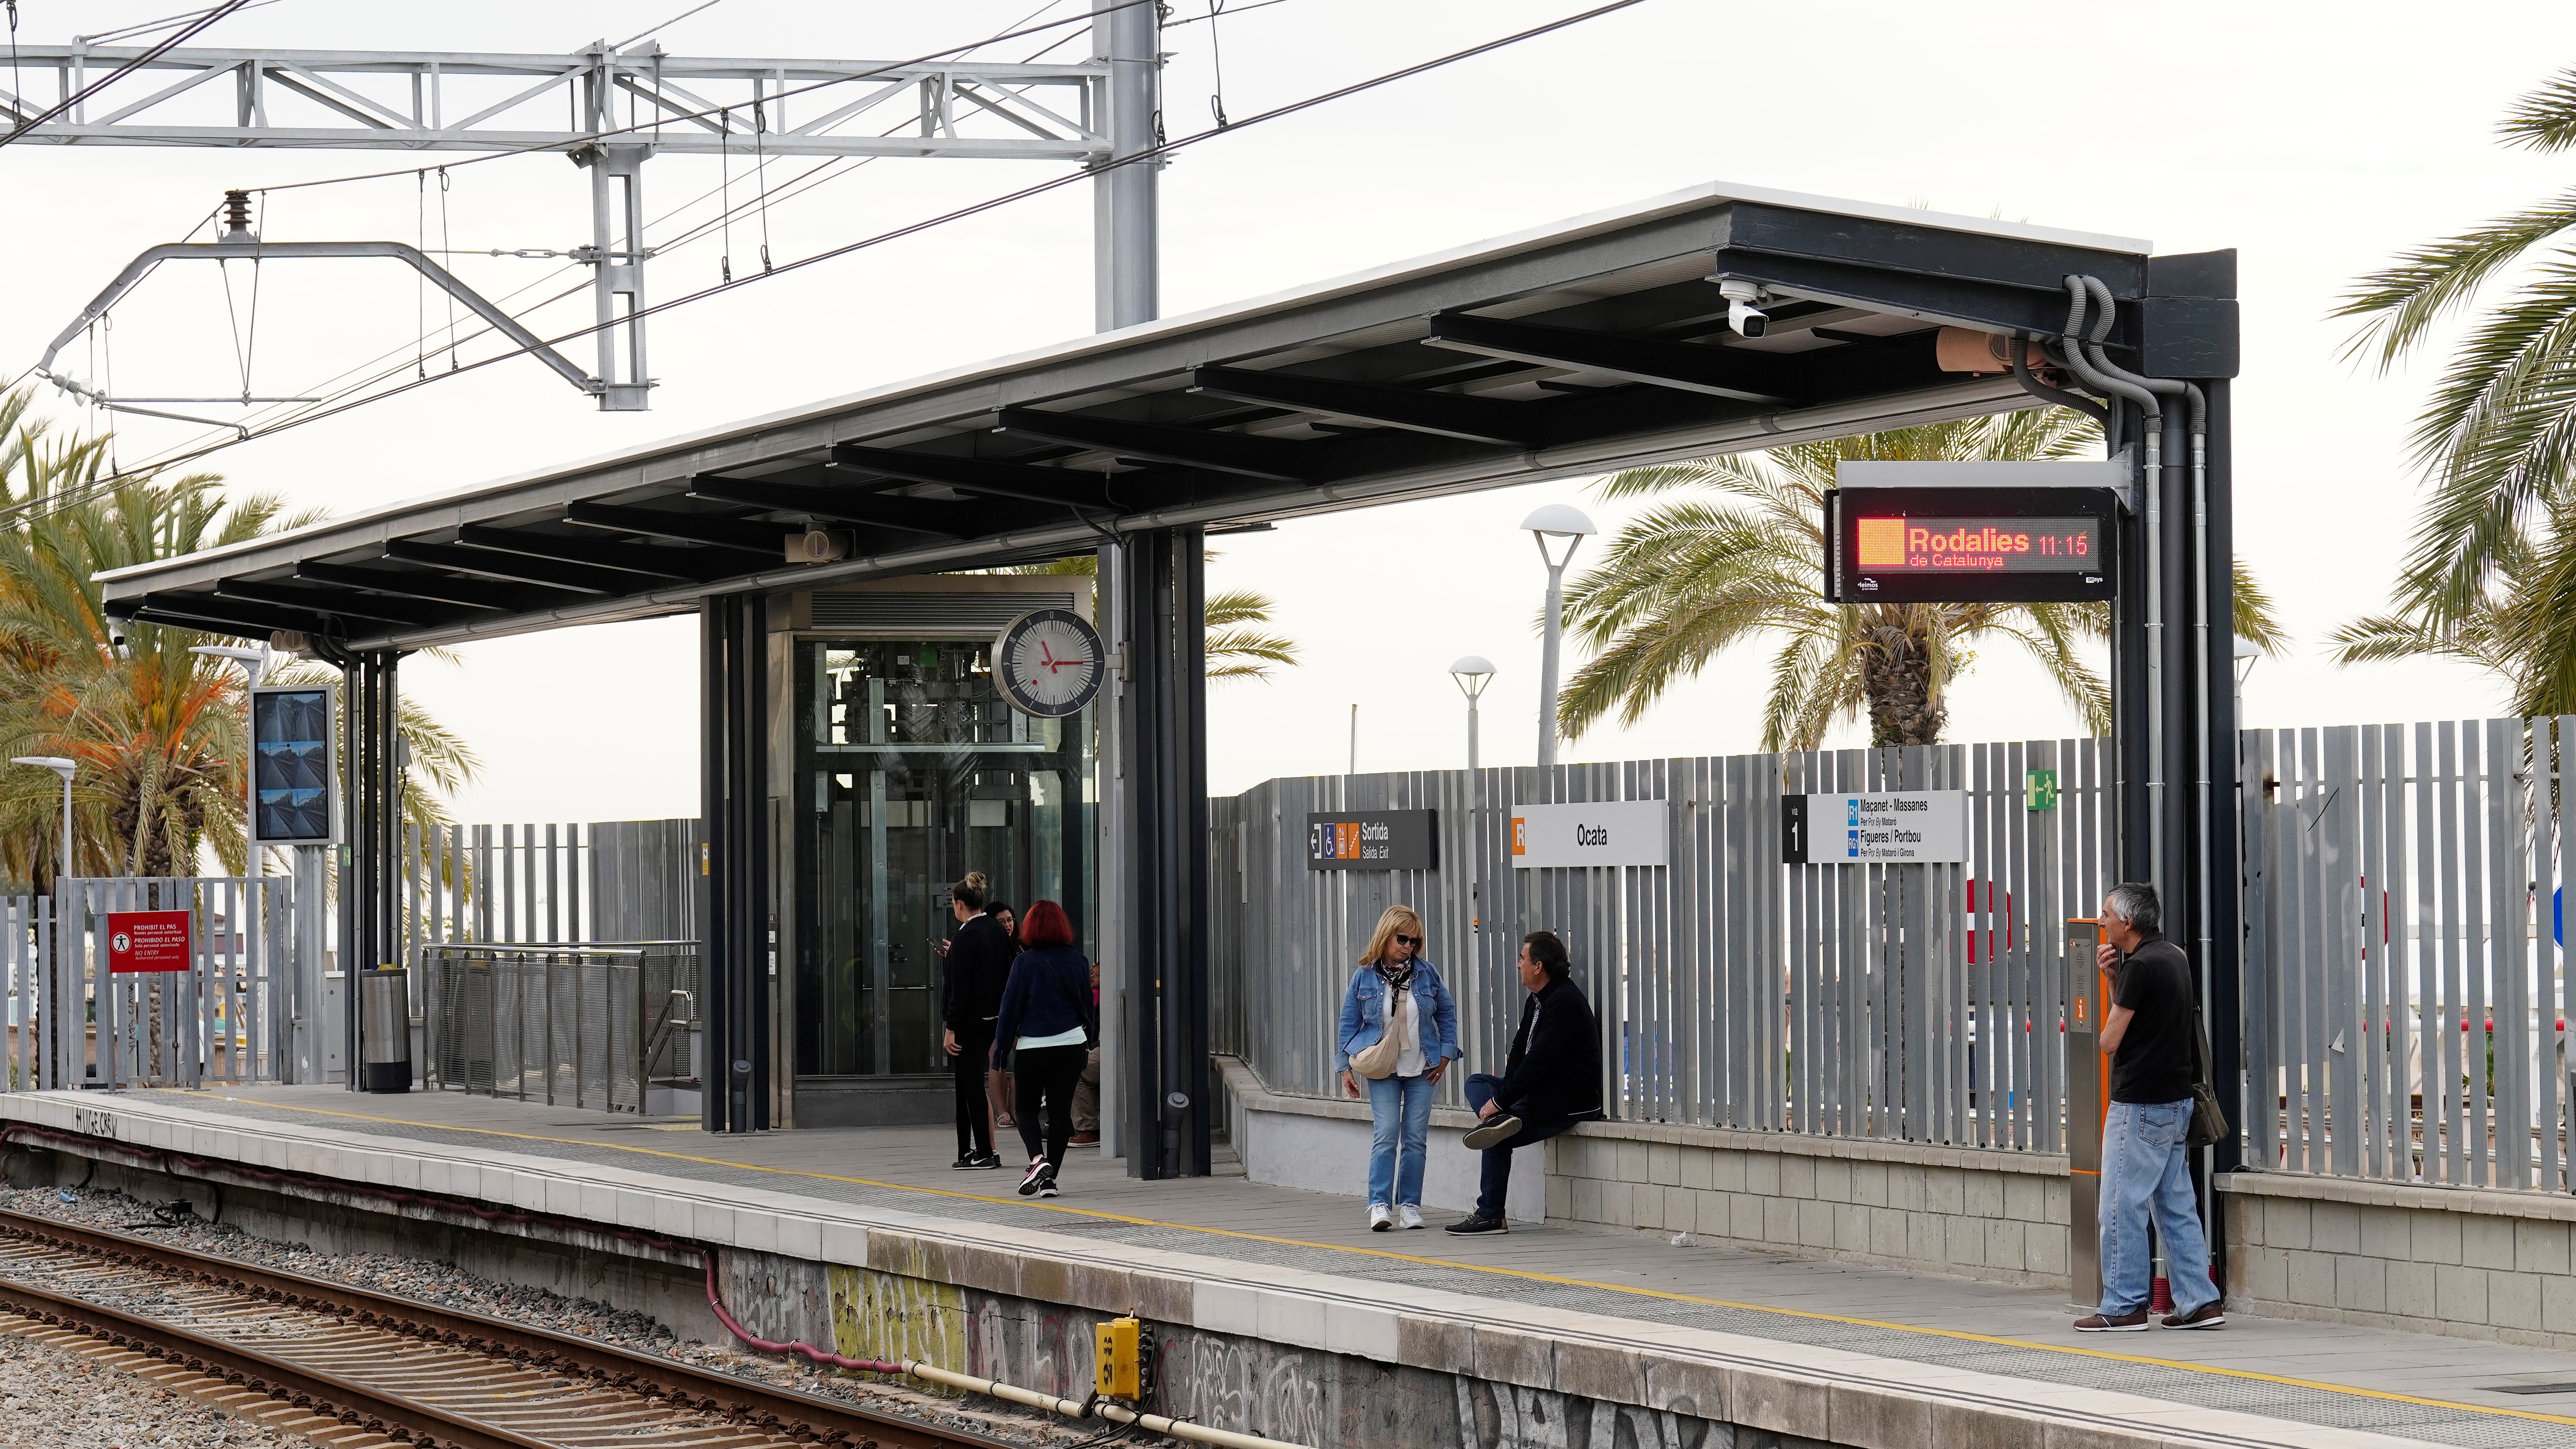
x=1598 y=344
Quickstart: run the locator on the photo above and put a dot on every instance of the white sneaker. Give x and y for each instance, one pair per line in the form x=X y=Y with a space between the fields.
x=1381 y=1217
x=1409 y=1215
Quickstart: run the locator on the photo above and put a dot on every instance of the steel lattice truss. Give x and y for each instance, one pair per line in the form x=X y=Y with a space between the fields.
x=469 y=101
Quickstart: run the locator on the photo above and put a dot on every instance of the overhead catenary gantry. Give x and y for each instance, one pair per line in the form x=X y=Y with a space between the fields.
x=608 y=108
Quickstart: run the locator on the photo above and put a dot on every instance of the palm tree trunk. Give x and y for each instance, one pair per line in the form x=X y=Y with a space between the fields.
x=1898 y=677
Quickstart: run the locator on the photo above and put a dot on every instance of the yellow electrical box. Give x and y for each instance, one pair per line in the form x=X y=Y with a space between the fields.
x=1119 y=1352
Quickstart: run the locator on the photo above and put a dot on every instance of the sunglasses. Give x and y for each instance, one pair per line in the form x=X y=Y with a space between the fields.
x=1405 y=940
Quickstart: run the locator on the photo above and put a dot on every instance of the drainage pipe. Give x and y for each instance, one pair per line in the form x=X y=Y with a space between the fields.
x=995 y=1388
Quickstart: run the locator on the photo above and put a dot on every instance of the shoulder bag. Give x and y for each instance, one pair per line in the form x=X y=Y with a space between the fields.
x=1376 y=1061
x=2209 y=1124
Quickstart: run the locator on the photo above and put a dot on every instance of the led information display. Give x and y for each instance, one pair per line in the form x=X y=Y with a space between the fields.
x=291 y=765
x=1915 y=545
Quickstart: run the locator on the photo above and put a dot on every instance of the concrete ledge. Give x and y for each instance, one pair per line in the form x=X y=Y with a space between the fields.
x=2419 y=1196
x=1321 y=1144
x=1842 y=1149
x=1765 y=1384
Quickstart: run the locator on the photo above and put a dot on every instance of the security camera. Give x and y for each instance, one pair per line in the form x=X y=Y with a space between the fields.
x=116 y=641
x=1741 y=312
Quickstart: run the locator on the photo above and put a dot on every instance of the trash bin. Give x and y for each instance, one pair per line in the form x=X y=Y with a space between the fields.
x=384 y=1029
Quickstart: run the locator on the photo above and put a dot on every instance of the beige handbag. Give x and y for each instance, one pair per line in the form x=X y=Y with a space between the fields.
x=1377 y=1060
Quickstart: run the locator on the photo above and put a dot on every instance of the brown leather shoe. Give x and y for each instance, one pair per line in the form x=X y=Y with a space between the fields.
x=1084 y=1139
x=2207 y=1315
x=2104 y=1323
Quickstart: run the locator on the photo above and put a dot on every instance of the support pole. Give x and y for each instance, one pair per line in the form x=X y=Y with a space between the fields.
x=1163 y=578
x=737 y=930
x=1126 y=217
x=370 y=860
x=617 y=276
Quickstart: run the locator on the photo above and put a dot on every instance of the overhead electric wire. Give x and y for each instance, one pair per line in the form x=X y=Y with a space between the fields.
x=187 y=33
x=332 y=389
x=1143 y=157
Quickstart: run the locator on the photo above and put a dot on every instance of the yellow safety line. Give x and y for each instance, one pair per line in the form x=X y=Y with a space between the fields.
x=1521 y=1273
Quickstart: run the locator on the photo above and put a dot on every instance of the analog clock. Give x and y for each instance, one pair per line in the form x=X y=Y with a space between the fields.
x=1048 y=662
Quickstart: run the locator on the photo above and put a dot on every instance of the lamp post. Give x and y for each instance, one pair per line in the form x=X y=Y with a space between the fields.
x=1556 y=520
x=64 y=768
x=1473 y=672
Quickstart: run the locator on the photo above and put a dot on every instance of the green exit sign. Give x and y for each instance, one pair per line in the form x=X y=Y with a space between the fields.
x=2042 y=789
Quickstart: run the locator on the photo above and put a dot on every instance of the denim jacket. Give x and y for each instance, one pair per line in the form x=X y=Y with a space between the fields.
x=1364 y=1015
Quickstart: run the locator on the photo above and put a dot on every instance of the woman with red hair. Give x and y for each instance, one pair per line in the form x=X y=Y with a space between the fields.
x=1049 y=1022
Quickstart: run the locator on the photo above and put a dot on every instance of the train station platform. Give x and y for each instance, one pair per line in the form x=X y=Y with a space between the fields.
x=1553 y=1334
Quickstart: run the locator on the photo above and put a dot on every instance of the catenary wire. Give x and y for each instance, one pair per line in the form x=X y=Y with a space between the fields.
x=1143 y=157
x=332 y=389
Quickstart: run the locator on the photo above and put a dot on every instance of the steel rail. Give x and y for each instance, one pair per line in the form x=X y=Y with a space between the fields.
x=757 y=1405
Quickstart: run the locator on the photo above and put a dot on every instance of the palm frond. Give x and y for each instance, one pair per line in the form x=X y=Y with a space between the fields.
x=2403 y=300
x=2545 y=119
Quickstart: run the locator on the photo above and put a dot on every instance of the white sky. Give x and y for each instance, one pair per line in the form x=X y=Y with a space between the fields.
x=2316 y=138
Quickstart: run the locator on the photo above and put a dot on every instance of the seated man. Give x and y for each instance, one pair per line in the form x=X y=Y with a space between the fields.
x=1551 y=1081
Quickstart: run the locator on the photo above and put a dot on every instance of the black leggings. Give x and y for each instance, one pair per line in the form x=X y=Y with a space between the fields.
x=1049 y=1073
x=974 y=1109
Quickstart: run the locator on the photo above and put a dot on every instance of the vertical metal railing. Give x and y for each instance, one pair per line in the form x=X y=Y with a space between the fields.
x=222 y=1019
x=2405 y=957
x=1920 y=1002
x=594 y=1026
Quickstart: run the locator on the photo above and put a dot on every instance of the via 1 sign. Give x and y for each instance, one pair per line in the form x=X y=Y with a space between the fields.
x=1600 y=832
x=1373 y=840
x=1904 y=827
x=140 y=941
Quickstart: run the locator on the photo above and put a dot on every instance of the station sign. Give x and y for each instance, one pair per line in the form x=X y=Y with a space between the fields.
x=1373 y=840
x=1597 y=832
x=1894 y=535
x=145 y=941
x=1899 y=827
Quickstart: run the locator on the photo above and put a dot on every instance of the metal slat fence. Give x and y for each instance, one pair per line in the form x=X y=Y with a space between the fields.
x=35 y=1055
x=1915 y=1001
x=221 y=1020
x=2405 y=966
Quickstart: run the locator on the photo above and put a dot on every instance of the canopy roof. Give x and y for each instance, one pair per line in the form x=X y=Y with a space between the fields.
x=1595 y=344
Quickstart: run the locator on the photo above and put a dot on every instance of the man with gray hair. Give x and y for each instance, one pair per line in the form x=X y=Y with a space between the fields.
x=2150 y=1035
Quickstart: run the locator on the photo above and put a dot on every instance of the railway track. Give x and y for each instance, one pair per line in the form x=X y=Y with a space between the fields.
x=436 y=1377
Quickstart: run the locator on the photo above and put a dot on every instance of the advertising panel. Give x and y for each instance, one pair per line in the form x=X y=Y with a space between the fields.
x=291 y=766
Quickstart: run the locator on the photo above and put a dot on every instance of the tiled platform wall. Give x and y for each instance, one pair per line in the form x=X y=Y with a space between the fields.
x=2464 y=1261
x=1998 y=1216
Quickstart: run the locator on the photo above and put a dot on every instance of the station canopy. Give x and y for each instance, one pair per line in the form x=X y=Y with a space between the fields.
x=1596 y=344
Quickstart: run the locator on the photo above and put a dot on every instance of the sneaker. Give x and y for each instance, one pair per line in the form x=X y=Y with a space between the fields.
x=1047 y=1188
x=2207 y=1315
x=2105 y=1323
x=1036 y=1177
x=968 y=1162
x=1085 y=1139
x=986 y=1161
x=1493 y=1131
x=1475 y=1223
x=1381 y=1217
x=1409 y=1216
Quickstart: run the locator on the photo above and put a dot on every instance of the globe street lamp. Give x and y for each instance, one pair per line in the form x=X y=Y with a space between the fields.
x=64 y=768
x=1556 y=520
x=1473 y=672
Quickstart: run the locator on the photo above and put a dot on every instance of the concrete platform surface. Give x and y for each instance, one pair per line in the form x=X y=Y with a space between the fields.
x=1267 y=1254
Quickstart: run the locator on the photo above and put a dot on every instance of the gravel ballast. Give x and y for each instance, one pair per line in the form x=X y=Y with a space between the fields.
x=52 y=1398
x=450 y=1287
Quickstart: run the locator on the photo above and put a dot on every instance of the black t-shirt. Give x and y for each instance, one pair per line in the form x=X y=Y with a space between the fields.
x=2154 y=1062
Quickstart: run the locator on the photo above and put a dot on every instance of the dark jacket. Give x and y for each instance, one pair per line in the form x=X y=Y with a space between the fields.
x=979 y=962
x=1554 y=1070
x=1049 y=994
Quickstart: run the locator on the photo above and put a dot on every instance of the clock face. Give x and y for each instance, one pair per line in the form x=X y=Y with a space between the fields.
x=1048 y=662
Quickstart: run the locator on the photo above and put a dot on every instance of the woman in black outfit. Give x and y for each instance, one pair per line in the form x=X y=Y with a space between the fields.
x=1049 y=1023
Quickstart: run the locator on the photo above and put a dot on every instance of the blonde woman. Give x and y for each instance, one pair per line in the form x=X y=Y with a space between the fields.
x=1396 y=991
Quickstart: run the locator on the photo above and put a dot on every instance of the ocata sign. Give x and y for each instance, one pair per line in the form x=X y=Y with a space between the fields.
x=1600 y=832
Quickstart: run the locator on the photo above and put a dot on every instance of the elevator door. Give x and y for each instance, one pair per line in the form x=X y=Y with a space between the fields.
x=919 y=773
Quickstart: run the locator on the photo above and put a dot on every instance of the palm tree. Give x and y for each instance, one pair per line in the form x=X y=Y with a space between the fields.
x=1741 y=560
x=1234 y=650
x=158 y=731
x=2499 y=434
x=2517 y=628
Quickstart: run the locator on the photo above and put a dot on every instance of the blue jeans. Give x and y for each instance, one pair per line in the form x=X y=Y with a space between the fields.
x=1397 y=1103
x=1496 y=1188
x=2146 y=1170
